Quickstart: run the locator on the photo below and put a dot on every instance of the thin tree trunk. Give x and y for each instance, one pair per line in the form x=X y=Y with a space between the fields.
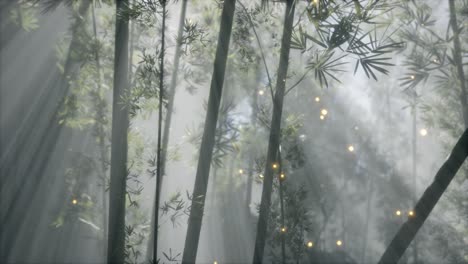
x=208 y=139
x=427 y=202
x=169 y=109
x=457 y=57
x=158 y=161
x=274 y=140
x=120 y=124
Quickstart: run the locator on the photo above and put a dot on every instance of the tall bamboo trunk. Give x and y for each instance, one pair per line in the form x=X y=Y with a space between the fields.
x=158 y=161
x=427 y=202
x=457 y=57
x=120 y=124
x=274 y=140
x=167 y=121
x=208 y=139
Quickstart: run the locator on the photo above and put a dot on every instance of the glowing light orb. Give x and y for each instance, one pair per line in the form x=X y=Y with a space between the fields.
x=423 y=132
x=261 y=92
x=215 y=262
x=282 y=176
x=412 y=77
x=398 y=212
x=283 y=230
x=339 y=243
x=74 y=201
x=275 y=166
x=310 y=244
x=351 y=148
x=241 y=171
x=261 y=176
x=322 y=117
x=411 y=213
x=317 y=99
x=324 y=112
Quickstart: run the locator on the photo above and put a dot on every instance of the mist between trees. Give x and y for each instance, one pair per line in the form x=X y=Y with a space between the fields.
x=210 y=131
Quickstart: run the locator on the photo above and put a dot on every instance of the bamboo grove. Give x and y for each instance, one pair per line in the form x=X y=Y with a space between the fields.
x=233 y=131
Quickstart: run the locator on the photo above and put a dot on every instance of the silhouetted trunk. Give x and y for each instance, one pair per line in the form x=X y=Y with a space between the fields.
x=120 y=124
x=169 y=109
x=274 y=140
x=457 y=57
x=208 y=139
x=427 y=202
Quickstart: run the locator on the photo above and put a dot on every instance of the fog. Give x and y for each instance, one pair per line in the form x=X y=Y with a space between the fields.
x=325 y=165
